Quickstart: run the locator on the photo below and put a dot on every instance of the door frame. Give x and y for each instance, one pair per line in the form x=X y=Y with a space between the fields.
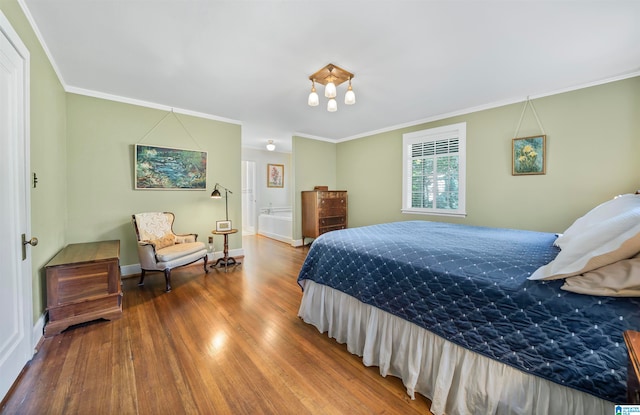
x=23 y=180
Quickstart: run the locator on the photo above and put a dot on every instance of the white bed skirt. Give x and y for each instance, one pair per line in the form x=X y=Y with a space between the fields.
x=456 y=380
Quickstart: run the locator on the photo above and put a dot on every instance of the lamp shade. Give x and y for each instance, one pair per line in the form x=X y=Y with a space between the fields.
x=330 y=90
x=271 y=146
x=216 y=195
x=350 y=97
x=313 y=96
x=313 y=99
x=332 y=105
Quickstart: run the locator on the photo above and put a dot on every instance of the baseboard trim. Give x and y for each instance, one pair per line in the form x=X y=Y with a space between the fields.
x=277 y=237
x=132 y=269
x=37 y=333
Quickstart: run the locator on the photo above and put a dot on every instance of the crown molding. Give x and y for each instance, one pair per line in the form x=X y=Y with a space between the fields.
x=148 y=104
x=315 y=137
x=489 y=106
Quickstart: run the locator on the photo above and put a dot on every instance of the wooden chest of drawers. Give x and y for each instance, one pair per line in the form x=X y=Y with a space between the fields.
x=83 y=284
x=323 y=211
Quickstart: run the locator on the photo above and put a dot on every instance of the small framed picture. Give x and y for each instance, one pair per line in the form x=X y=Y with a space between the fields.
x=528 y=155
x=223 y=225
x=275 y=175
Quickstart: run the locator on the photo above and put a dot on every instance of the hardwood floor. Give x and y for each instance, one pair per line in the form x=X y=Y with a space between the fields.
x=219 y=343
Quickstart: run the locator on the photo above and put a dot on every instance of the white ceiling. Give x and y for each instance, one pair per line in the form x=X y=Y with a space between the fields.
x=249 y=61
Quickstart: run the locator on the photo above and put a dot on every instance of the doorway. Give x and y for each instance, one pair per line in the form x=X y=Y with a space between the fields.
x=248 y=197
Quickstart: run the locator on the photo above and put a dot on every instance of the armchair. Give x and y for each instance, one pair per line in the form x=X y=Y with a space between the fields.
x=160 y=249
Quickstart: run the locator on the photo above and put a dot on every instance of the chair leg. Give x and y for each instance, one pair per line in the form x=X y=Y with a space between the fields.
x=206 y=259
x=141 y=282
x=167 y=277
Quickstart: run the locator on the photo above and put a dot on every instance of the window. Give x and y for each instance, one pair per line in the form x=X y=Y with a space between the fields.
x=433 y=171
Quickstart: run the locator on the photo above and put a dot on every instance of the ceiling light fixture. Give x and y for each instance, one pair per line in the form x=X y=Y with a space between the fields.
x=331 y=76
x=270 y=145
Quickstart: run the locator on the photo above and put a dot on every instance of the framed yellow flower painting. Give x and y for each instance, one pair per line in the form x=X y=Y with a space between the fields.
x=529 y=155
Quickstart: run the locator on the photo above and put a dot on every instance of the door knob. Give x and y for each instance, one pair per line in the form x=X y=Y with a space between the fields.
x=33 y=242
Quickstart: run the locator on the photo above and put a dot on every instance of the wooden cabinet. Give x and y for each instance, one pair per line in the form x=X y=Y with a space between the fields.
x=323 y=211
x=632 y=340
x=83 y=284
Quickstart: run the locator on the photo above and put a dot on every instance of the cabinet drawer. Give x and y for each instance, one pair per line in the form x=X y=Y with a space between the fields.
x=332 y=203
x=330 y=228
x=330 y=194
x=332 y=221
x=325 y=212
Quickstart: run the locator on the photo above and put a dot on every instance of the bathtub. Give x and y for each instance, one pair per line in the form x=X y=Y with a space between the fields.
x=276 y=223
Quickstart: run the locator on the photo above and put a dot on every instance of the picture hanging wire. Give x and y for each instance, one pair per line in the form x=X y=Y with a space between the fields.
x=526 y=104
x=161 y=120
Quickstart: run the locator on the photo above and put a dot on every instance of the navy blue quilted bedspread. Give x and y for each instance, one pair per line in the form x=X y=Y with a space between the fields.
x=469 y=285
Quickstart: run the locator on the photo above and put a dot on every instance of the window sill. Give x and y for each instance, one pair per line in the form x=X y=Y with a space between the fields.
x=424 y=212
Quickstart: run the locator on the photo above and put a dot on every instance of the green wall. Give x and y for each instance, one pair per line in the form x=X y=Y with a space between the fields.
x=593 y=144
x=82 y=152
x=314 y=164
x=100 y=172
x=48 y=154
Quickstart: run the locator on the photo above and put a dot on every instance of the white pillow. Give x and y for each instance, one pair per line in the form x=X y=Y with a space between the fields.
x=620 y=279
x=599 y=244
x=600 y=213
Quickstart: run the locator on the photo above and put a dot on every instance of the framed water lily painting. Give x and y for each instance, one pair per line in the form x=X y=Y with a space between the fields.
x=165 y=168
x=528 y=155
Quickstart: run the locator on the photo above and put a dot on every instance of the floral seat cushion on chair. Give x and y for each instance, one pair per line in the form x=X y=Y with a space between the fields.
x=160 y=249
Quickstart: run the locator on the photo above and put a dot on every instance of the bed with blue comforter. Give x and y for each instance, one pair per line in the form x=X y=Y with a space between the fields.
x=469 y=286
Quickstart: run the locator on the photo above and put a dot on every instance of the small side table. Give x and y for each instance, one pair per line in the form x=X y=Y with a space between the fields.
x=226 y=260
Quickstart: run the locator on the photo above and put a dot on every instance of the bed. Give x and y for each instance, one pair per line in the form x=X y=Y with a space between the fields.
x=465 y=315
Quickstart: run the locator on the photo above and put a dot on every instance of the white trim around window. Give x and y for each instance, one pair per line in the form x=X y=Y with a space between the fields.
x=434 y=171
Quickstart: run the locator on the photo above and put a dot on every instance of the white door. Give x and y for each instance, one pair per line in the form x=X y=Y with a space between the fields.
x=15 y=272
x=248 y=197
